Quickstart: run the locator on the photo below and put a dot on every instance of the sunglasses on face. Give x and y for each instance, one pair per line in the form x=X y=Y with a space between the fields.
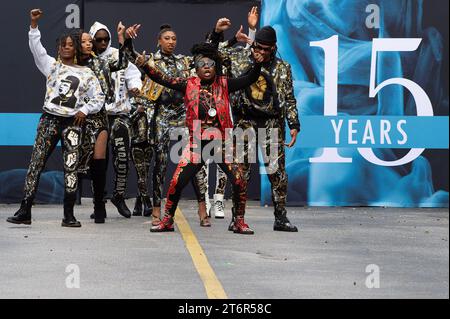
x=209 y=63
x=261 y=48
x=100 y=40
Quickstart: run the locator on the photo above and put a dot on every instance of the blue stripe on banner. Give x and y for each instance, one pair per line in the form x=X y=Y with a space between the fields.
x=432 y=132
x=374 y=132
x=18 y=129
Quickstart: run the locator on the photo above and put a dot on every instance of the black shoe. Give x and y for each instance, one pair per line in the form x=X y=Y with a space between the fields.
x=99 y=212
x=92 y=216
x=137 y=211
x=148 y=207
x=23 y=215
x=69 y=219
x=121 y=206
x=70 y=223
x=282 y=223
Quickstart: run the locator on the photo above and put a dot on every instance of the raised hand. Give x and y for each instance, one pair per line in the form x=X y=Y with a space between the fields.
x=35 y=15
x=140 y=60
x=222 y=25
x=120 y=28
x=242 y=37
x=253 y=18
x=120 y=32
x=257 y=56
x=132 y=32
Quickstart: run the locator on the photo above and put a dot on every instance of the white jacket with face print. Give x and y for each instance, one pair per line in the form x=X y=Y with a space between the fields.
x=70 y=89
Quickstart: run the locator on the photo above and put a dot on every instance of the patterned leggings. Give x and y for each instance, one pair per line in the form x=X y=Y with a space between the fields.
x=161 y=151
x=50 y=131
x=121 y=143
x=188 y=167
x=275 y=168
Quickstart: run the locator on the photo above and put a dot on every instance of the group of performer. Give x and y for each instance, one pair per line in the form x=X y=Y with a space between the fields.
x=98 y=96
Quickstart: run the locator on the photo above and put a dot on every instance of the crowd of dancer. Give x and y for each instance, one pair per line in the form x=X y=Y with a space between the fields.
x=98 y=96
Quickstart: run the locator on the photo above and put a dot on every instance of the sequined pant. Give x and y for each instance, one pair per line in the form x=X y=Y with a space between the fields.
x=120 y=140
x=50 y=131
x=274 y=163
x=141 y=149
x=221 y=181
x=190 y=164
x=161 y=144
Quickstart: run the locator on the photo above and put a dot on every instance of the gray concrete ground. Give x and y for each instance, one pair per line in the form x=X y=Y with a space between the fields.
x=327 y=258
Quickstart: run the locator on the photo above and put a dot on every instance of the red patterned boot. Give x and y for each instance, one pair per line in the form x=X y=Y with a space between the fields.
x=165 y=225
x=240 y=227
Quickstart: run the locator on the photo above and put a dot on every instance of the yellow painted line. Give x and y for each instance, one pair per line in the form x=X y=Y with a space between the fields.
x=213 y=287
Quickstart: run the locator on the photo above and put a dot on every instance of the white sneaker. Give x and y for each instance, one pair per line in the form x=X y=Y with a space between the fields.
x=208 y=207
x=218 y=207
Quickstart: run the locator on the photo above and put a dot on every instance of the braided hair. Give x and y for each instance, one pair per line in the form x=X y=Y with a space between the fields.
x=76 y=43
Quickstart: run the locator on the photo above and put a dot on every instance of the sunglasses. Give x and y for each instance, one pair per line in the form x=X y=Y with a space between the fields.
x=260 y=48
x=201 y=64
x=100 y=40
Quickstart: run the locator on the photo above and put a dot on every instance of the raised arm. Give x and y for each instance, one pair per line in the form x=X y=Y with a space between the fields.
x=236 y=84
x=178 y=84
x=121 y=63
x=248 y=79
x=253 y=19
x=42 y=60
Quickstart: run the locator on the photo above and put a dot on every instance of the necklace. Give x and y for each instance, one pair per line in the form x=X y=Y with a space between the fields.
x=212 y=112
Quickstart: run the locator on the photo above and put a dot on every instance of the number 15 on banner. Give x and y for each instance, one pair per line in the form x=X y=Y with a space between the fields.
x=422 y=101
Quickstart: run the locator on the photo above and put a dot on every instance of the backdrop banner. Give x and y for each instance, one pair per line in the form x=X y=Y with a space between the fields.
x=371 y=82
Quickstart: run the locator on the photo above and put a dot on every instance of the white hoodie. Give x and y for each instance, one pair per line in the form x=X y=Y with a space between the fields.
x=123 y=80
x=69 y=88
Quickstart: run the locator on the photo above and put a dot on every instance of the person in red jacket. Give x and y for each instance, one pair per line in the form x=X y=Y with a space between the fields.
x=208 y=119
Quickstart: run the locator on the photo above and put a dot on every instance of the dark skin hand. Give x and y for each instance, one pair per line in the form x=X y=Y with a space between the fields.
x=134 y=91
x=35 y=15
x=80 y=117
x=294 y=134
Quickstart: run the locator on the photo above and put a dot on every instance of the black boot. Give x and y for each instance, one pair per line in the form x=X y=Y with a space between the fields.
x=92 y=216
x=282 y=223
x=98 y=177
x=99 y=212
x=137 y=211
x=232 y=227
x=148 y=207
x=23 y=215
x=69 y=219
x=122 y=208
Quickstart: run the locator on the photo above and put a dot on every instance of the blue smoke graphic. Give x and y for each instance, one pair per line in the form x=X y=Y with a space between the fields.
x=361 y=183
x=50 y=190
